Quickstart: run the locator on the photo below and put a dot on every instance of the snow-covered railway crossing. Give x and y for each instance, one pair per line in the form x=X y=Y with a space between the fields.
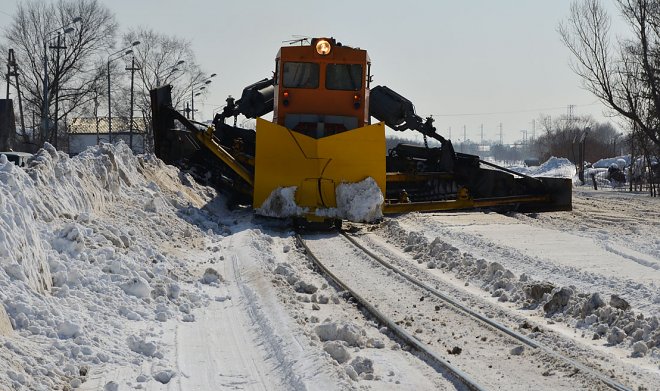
x=468 y=348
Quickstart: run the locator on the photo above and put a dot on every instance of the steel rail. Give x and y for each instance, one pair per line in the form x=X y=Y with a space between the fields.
x=603 y=378
x=454 y=372
x=444 y=297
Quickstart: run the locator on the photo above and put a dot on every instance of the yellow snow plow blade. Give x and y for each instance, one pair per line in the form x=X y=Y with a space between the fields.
x=286 y=158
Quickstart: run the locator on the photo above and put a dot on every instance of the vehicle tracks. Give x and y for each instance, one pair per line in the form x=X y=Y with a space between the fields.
x=488 y=350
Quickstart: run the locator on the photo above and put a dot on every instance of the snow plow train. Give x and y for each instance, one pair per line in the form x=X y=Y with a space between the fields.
x=321 y=142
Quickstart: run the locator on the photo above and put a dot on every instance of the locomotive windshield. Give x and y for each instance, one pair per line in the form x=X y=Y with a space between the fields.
x=343 y=77
x=300 y=75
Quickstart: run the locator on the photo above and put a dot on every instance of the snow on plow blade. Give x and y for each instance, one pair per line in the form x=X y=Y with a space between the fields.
x=315 y=167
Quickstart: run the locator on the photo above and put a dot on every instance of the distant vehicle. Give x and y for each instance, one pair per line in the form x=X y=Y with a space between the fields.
x=532 y=162
x=18 y=158
x=615 y=174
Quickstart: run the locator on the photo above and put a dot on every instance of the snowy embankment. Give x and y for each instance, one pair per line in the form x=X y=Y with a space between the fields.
x=553 y=168
x=89 y=261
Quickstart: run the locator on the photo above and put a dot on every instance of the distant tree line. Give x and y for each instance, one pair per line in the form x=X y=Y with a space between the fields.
x=561 y=137
x=622 y=72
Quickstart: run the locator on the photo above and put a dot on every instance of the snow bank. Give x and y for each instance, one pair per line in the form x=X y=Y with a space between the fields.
x=554 y=168
x=85 y=258
x=621 y=161
x=606 y=317
x=22 y=253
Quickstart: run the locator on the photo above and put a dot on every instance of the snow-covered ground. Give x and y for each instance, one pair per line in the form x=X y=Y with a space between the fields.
x=119 y=272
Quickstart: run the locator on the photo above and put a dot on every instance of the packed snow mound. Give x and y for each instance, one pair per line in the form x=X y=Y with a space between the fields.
x=87 y=246
x=358 y=202
x=281 y=203
x=621 y=162
x=607 y=317
x=555 y=167
x=57 y=186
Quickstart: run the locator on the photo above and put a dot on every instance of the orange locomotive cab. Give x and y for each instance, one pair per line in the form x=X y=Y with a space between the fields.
x=320 y=136
x=322 y=87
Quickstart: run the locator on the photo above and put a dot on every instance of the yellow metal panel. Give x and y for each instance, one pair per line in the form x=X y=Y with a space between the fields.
x=316 y=166
x=212 y=143
x=307 y=193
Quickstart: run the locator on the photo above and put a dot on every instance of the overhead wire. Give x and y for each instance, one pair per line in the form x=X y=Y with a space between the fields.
x=513 y=111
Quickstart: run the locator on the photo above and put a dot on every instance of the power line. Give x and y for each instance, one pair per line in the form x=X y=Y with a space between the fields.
x=513 y=111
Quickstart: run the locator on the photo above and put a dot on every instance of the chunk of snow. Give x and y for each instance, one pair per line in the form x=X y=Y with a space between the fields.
x=337 y=351
x=142 y=346
x=358 y=202
x=347 y=332
x=164 y=376
x=136 y=286
x=362 y=365
x=281 y=203
x=68 y=329
x=640 y=349
x=210 y=276
x=616 y=336
x=111 y=386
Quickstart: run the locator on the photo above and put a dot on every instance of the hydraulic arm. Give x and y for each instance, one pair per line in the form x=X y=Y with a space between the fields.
x=399 y=114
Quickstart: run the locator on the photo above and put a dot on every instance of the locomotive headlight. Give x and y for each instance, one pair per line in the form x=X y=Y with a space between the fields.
x=323 y=47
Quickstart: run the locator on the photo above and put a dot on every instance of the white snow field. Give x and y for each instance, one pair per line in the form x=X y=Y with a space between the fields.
x=118 y=272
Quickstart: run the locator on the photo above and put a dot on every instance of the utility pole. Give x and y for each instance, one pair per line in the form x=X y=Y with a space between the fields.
x=581 y=153
x=111 y=57
x=501 y=138
x=133 y=68
x=56 y=81
x=570 y=111
x=533 y=129
x=482 y=134
x=46 y=103
x=12 y=70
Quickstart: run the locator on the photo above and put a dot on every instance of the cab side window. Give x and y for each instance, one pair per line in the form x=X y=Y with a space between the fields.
x=346 y=77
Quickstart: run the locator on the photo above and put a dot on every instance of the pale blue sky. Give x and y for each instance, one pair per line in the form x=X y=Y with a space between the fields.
x=447 y=57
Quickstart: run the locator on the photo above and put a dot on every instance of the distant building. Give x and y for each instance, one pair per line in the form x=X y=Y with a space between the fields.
x=86 y=132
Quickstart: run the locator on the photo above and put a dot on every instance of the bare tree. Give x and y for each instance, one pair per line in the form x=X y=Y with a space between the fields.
x=35 y=25
x=161 y=60
x=560 y=137
x=626 y=75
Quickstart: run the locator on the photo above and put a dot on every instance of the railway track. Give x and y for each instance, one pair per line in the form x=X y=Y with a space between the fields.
x=384 y=290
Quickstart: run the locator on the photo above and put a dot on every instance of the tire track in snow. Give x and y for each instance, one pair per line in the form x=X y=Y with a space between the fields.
x=272 y=342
